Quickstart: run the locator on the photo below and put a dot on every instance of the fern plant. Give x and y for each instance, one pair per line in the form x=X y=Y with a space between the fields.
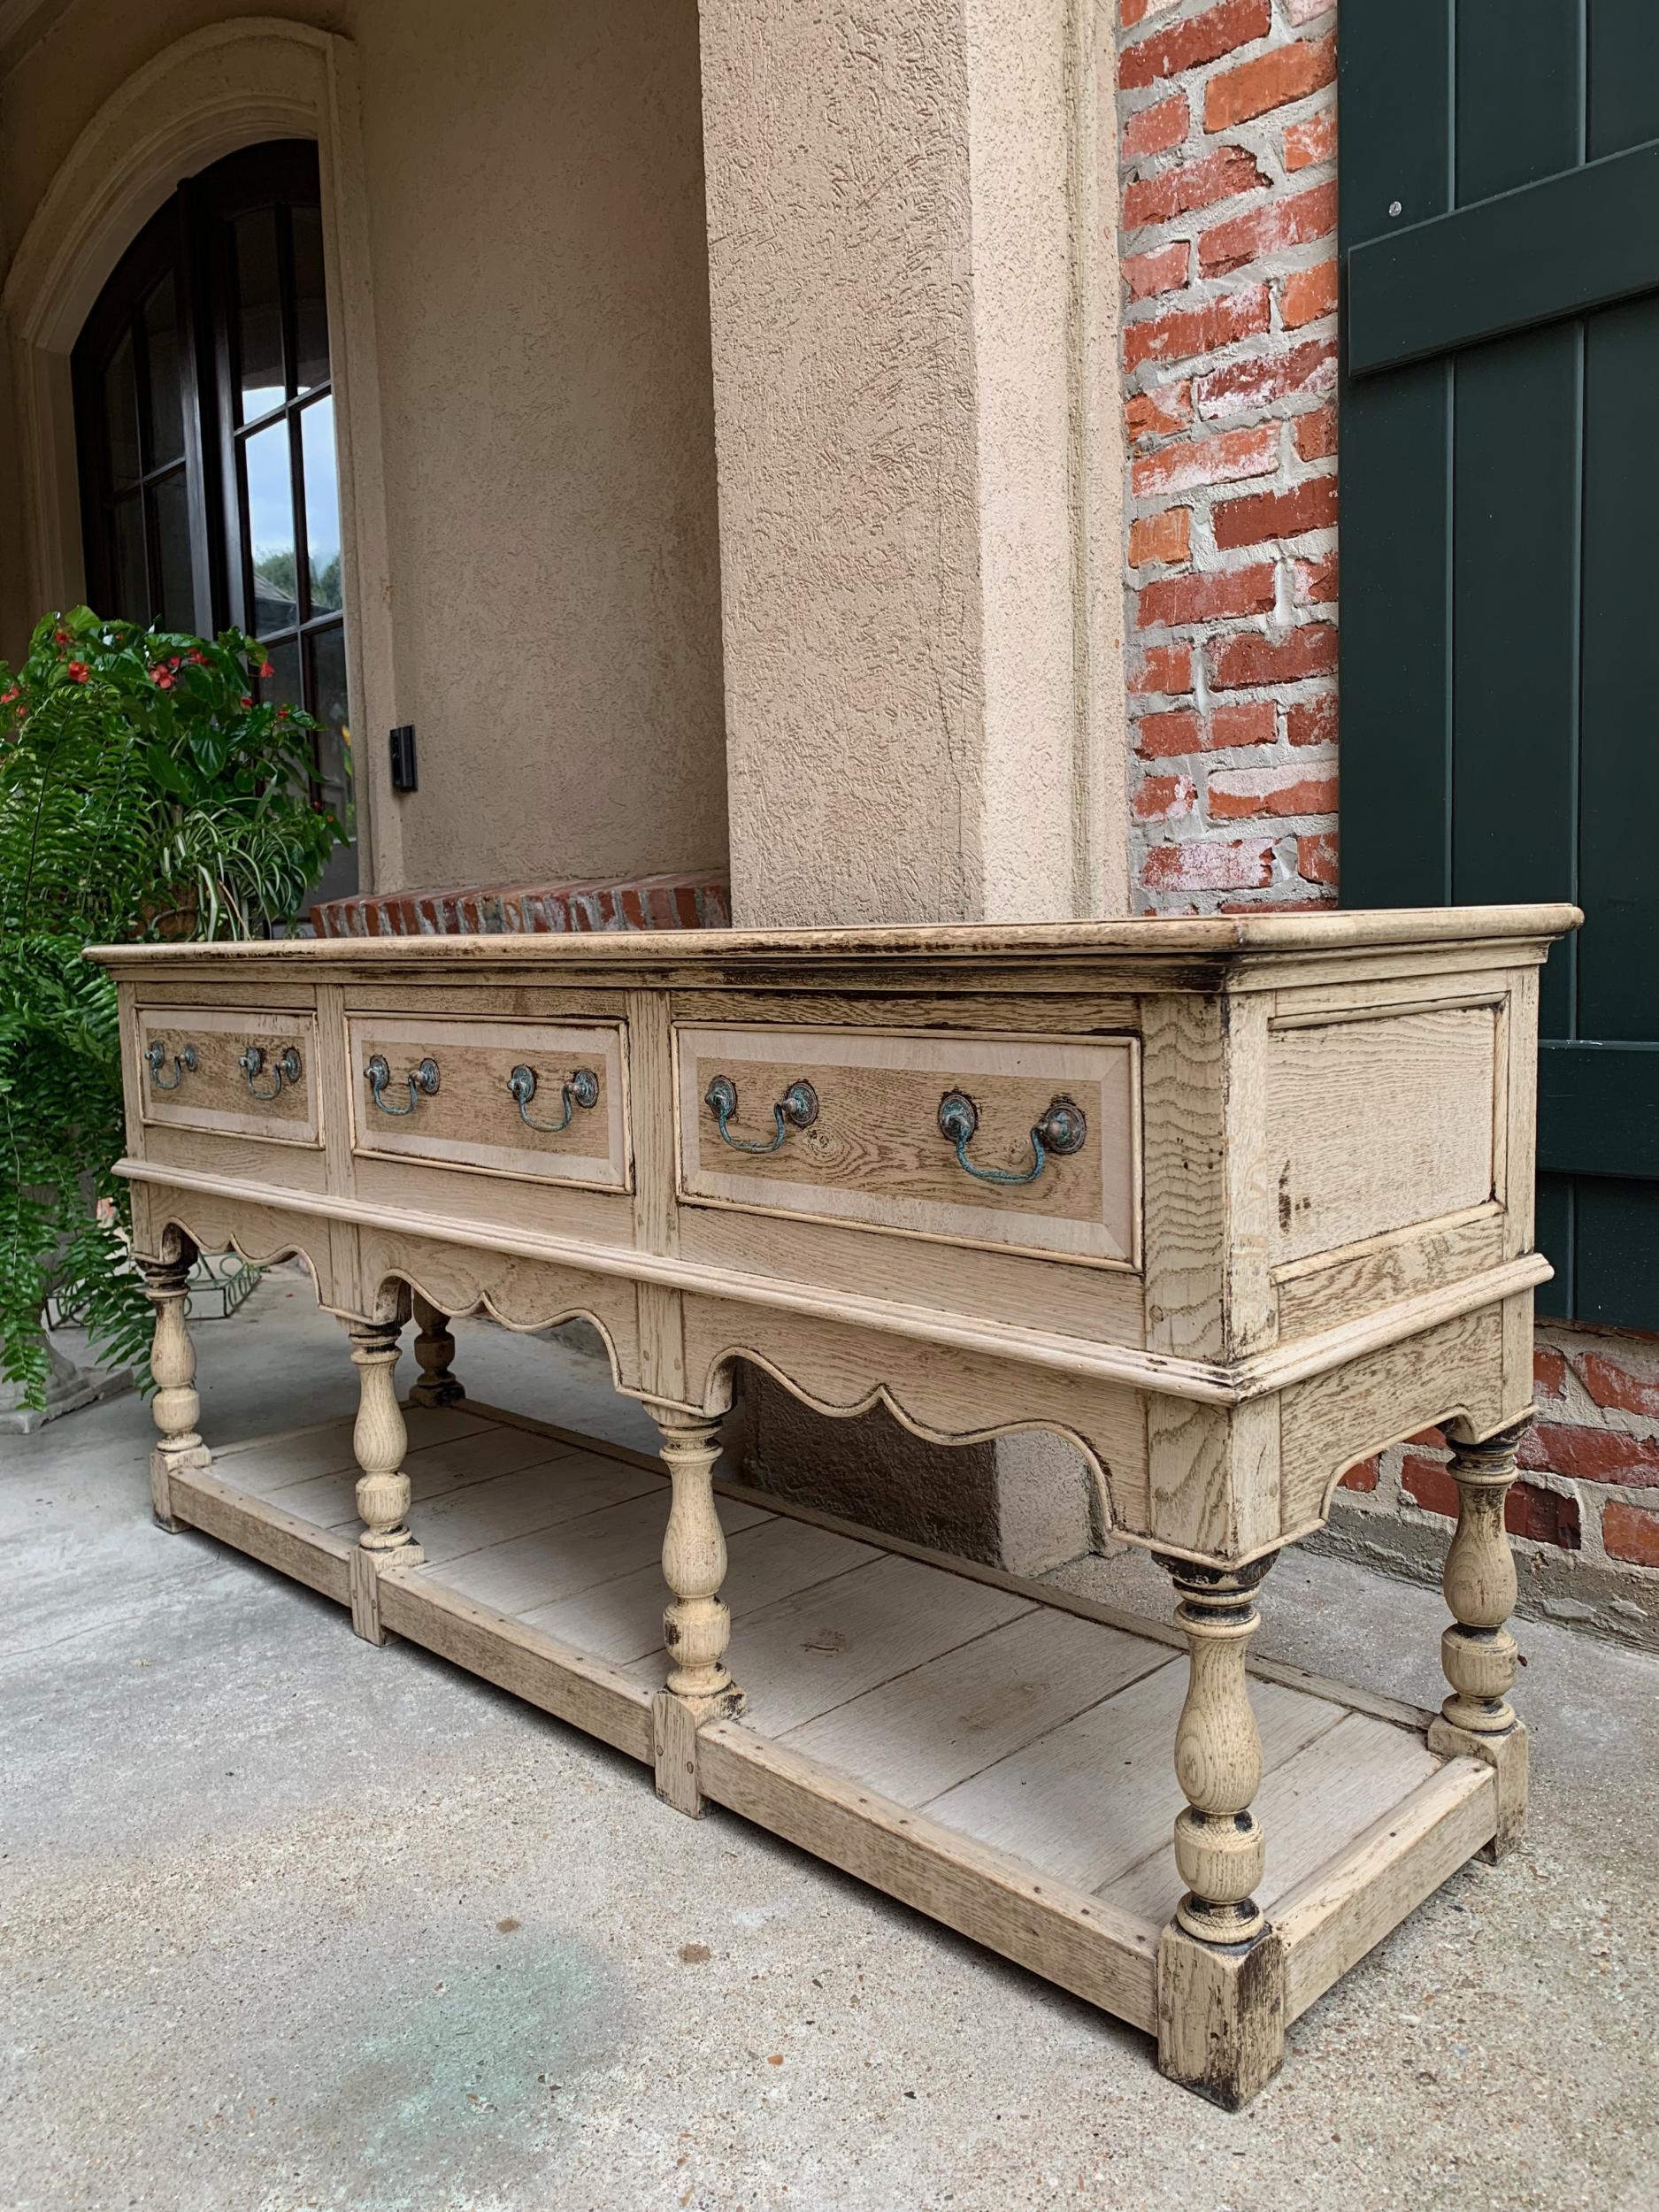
x=145 y=792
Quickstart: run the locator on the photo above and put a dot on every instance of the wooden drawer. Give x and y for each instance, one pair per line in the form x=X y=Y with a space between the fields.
x=473 y=1118
x=190 y=1073
x=867 y=1147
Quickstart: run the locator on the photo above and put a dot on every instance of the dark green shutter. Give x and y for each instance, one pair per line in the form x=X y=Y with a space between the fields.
x=1499 y=459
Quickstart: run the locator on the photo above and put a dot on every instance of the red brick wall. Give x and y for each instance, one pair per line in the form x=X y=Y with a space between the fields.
x=1227 y=113
x=1227 y=135
x=646 y=902
x=1589 y=1487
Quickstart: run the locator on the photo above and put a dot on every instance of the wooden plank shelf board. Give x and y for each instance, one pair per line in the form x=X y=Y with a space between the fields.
x=1230 y=1204
x=952 y=1735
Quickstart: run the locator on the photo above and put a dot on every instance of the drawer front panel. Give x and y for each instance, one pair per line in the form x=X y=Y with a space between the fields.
x=474 y=1118
x=873 y=1152
x=190 y=1073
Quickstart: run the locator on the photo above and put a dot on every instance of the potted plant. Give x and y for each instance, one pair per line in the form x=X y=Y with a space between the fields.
x=146 y=791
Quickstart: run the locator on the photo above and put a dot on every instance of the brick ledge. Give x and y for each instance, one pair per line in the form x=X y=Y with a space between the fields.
x=670 y=901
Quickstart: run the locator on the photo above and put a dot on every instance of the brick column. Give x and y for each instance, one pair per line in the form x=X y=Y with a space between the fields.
x=1227 y=115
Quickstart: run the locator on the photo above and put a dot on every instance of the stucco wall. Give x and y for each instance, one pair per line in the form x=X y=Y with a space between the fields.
x=535 y=190
x=911 y=499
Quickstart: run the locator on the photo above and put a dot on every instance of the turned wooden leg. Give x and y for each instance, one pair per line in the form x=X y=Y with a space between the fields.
x=435 y=1350
x=176 y=1406
x=696 y=1623
x=1221 y=1976
x=379 y=1441
x=1478 y=1652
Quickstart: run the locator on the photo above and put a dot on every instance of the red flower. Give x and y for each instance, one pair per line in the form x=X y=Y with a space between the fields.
x=282 y=714
x=6 y=697
x=265 y=668
x=60 y=637
x=196 y=660
x=247 y=698
x=78 y=671
x=159 y=677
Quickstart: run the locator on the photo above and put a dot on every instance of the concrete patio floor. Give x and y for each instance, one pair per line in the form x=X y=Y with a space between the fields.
x=289 y=1922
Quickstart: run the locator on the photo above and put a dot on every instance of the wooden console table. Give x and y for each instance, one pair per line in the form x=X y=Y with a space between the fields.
x=1230 y=1203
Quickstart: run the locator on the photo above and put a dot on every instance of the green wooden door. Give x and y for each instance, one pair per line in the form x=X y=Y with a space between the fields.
x=1500 y=458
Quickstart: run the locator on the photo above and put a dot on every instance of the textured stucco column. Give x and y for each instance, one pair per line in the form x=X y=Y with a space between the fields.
x=910 y=261
x=912 y=280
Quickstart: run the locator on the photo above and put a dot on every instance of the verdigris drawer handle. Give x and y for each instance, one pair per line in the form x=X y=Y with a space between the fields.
x=1061 y=1130
x=185 y=1063
x=581 y=1090
x=797 y=1108
x=422 y=1081
x=286 y=1067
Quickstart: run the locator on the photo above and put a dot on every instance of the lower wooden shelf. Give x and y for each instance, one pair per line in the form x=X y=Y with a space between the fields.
x=986 y=1749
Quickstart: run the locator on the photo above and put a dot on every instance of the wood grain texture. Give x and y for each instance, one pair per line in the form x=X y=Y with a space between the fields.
x=567 y=1684
x=1377 y=1124
x=1040 y=1922
x=621 y=1618
x=875 y=1156
x=215 y=1094
x=757 y=956
x=892 y=1674
x=1287 y=1295
x=1336 y=1419
x=472 y=1120
x=1047 y=1801
x=1184 y=1176
x=1310 y=1805
x=297 y=1549
x=588 y=1527
x=1222 y=2015
x=921 y=1732
x=522 y=1294
x=1340 y=1912
x=818 y=1649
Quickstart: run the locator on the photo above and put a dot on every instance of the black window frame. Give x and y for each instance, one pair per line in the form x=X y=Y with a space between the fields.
x=192 y=237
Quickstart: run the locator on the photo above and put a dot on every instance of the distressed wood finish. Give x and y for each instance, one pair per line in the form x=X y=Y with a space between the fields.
x=379 y=1441
x=874 y=1155
x=696 y=1625
x=435 y=1350
x=473 y=1119
x=944 y=1731
x=176 y=1406
x=1298 y=1228
x=217 y=1093
x=1477 y=1652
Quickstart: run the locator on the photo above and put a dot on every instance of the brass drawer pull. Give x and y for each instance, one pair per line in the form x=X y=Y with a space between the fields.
x=1062 y=1130
x=185 y=1063
x=797 y=1108
x=582 y=1090
x=286 y=1068
x=422 y=1081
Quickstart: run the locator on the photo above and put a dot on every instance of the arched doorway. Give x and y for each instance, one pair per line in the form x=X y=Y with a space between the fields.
x=204 y=423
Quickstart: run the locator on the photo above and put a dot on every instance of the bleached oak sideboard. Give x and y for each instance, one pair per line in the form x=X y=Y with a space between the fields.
x=1230 y=1203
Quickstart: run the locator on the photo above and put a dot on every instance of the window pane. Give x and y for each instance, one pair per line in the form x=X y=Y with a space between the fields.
x=328 y=649
x=282 y=687
x=258 y=319
x=120 y=411
x=322 y=506
x=311 y=304
x=165 y=422
x=269 y=528
x=127 y=547
x=177 y=580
